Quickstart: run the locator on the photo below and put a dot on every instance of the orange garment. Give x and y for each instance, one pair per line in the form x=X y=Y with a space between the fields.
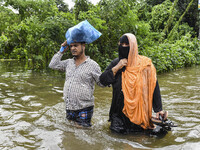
x=138 y=83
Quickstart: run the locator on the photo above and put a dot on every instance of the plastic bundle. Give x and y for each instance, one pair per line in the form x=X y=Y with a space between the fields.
x=82 y=32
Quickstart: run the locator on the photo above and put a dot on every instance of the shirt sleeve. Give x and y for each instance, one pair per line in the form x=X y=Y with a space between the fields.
x=107 y=77
x=96 y=74
x=157 y=102
x=56 y=62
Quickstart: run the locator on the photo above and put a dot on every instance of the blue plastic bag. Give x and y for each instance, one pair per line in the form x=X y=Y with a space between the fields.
x=82 y=32
x=62 y=48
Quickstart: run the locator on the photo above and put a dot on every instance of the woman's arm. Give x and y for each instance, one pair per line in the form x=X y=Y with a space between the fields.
x=157 y=102
x=108 y=76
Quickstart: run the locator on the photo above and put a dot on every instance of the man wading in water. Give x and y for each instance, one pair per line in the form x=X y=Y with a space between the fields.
x=81 y=73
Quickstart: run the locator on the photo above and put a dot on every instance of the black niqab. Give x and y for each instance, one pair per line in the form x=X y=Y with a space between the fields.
x=123 y=51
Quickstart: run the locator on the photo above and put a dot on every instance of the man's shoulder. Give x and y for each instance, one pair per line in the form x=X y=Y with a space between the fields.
x=91 y=61
x=69 y=60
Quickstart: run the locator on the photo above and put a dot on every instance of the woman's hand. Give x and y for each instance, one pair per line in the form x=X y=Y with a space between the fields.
x=120 y=65
x=163 y=114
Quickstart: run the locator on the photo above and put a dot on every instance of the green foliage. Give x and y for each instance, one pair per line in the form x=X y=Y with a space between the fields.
x=3 y=44
x=171 y=17
x=62 y=6
x=27 y=8
x=191 y=16
x=131 y=23
x=7 y=18
x=36 y=38
x=180 y=19
x=182 y=30
x=36 y=32
x=19 y=53
x=170 y=56
x=160 y=14
x=81 y=5
x=154 y=2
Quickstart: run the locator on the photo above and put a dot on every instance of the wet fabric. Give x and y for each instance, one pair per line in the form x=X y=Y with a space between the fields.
x=119 y=122
x=82 y=117
x=79 y=81
x=138 y=84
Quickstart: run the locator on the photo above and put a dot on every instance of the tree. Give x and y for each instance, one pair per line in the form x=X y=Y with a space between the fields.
x=81 y=5
x=154 y=2
x=27 y=8
x=180 y=19
x=191 y=16
x=62 y=6
x=39 y=28
x=8 y=17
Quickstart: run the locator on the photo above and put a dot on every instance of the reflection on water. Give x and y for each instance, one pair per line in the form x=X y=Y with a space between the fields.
x=32 y=113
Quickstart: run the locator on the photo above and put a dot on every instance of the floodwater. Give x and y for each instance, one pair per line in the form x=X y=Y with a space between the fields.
x=32 y=114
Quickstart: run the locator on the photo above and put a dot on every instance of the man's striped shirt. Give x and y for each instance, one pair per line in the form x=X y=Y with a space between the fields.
x=79 y=81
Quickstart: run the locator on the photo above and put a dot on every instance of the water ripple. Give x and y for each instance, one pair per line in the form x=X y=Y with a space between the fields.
x=33 y=114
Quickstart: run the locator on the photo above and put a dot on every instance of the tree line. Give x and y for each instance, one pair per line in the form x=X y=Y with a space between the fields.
x=166 y=30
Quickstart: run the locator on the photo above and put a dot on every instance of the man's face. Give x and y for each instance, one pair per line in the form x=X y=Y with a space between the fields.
x=77 y=49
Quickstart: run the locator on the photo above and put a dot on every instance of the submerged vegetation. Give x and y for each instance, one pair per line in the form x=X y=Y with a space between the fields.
x=166 y=30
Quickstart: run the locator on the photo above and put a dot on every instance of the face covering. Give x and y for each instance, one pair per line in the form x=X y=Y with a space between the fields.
x=123 y=51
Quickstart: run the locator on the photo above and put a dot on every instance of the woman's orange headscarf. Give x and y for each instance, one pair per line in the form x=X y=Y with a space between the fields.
x=138 y=83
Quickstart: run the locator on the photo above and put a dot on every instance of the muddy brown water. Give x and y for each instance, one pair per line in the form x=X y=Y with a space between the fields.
x=32 y=113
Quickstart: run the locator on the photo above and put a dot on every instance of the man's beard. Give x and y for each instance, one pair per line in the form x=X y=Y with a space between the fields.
x=79 y=54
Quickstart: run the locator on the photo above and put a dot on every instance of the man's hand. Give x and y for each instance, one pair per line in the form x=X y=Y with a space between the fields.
x=64 y=43
x=64 y=47
x=120 y=65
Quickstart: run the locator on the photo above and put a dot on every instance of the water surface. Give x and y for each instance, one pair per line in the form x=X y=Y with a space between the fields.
x=32 y=113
